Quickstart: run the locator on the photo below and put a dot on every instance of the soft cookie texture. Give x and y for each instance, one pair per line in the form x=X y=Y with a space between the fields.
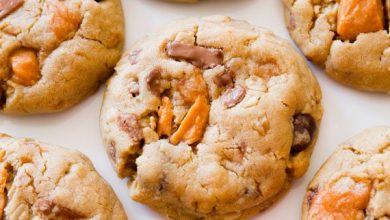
x=354 y=183
x=39 y=181
x=210 y=118
x=54 y=53
x=349 y=38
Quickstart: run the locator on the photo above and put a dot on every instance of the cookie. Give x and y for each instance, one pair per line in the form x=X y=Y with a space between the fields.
x=55 y=53
x=210 y=118
x=39 y=181
x=349 y=38
x=354 y=183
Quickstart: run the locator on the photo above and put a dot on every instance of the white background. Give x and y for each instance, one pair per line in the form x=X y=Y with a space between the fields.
x=347 y=111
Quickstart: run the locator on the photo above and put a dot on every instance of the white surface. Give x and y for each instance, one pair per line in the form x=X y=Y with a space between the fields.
x=347 y=111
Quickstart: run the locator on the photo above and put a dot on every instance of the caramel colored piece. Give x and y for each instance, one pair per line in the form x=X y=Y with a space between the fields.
x=224 y=78
x=153 y=81
x=165 y=117
x=64 y=21
x=359 y=16
x=192 y=127
x=8 y=6
x=346 y=199
x=25 y=67
x=193 y=86
x=3 y=196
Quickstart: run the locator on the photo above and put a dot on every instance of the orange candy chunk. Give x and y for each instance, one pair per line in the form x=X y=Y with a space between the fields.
x=192 y=87
x=344 y=200
x=192 y=127
x=25 y=67
x=64 y=21
x=359 y=16
x=165 y=114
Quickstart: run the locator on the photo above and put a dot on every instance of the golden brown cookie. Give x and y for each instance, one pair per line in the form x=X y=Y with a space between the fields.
x=348 y=37
x=210 y=118
x=39 y=181
x=354 y=183
x=54 y=53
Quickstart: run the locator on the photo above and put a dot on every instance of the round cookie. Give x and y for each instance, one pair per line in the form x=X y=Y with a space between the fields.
x=210 y=118
x=39 y=181
x=55 y=53
x=354 y=183
x=349 y=38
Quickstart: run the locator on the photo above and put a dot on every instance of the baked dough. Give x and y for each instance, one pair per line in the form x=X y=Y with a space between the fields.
x=362 y=63
x=210 y=118
x=354 y=183
x=39 y=181
x=74 y=45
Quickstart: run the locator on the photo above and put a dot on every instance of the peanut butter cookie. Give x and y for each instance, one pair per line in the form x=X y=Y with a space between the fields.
x=55 y=53
x=349 y=38
x=354 y=183
x=39 y=181
x=210 y=118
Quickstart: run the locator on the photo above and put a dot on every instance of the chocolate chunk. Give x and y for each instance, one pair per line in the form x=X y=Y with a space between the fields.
x=129 y=123
x=304 y=127
x=224 y=78
x=8 y=6
x=200 y=57
x=153 y=81
x=311 y=194
x=233 y=96
x=133 y=57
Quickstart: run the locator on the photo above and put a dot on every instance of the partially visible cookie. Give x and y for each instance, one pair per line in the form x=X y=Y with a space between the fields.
x=211 y=118
x=350 y=38
x=55 y=53
x=354 y=183
x=39 y=181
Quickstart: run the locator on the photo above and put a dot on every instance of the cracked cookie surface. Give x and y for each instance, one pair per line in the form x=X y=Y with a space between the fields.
x=354 y=183
x=39 y=181
x=349 y=38
x=210 y=118
x=54 y=53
